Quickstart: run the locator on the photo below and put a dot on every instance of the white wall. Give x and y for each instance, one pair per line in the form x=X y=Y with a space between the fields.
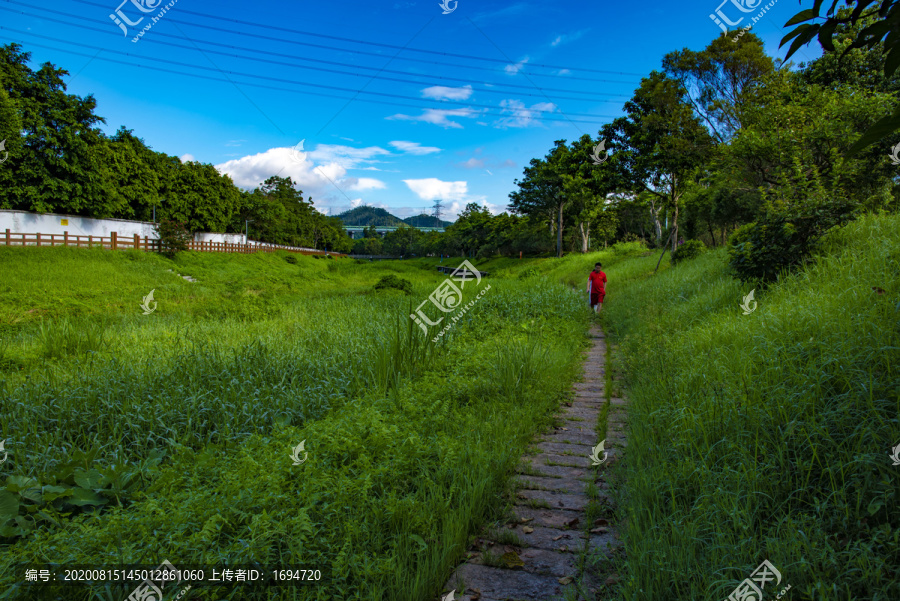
x=208 y=237
x=23 y=222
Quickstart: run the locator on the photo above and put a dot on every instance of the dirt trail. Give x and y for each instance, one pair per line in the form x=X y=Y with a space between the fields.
x=549 y=516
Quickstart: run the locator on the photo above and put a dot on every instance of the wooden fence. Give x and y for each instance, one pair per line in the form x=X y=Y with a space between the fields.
x=115 y=242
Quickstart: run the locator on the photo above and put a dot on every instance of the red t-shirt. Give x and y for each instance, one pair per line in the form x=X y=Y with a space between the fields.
x=597 y=282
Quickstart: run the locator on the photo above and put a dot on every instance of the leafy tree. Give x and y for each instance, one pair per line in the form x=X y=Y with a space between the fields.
x=542 y=191
x=879 y=20
x=12 y=152
x=794 y=120
x=60 y=167
x=401 y=241
x=173 y=236
x=796 y=214
x=718 y=79
x=368 y=246
x=662 y=144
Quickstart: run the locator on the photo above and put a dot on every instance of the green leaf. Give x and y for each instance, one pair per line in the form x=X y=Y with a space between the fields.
x=875 y=505
x=52 y=493
x=802 y=39
x=803 y=15
x=82 y=497
x=9 y=506
x=892 y=61
x=825 y=34
x=20 y=483
x=422 y=544
x=90 y=479
x=880 y=129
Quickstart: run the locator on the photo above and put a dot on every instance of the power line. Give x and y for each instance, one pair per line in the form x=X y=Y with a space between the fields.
x=344 y=50
x=281 y=80
x=351 y=40
x=483 y=90
x=108 y=32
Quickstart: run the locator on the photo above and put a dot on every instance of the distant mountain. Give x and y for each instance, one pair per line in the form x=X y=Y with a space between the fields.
x=424 y=220
x=365 y=215
x=369 y=216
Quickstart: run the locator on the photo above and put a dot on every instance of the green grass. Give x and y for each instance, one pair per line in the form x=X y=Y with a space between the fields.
x=763 y=436
x=135 y=438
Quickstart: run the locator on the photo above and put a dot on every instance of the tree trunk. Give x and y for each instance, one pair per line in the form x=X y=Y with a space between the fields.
x=675 y=227
x=712 y=234
x=654 y=212
x=559 y=232
x=665 y=248
x=585 y=236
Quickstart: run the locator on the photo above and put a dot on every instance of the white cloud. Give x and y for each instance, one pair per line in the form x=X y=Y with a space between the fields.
x=414 y=147
x=432 y=188
x=520 y=116
x=437 y=116
x=367 y=183
x=320 y=173
x=445 y=93
x=187 y=158
x=515 y=68
x=568 y=37
x=563 y=72
x=472 y=163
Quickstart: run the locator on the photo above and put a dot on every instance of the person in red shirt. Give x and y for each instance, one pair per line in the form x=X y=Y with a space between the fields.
x=596 y=287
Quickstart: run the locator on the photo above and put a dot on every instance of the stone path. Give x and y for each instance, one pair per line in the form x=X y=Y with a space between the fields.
x=536 y=555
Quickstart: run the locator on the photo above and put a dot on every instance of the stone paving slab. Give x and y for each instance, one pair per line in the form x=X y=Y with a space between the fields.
x=552 y=539
x=562 y=485
x=555 y=518
x=503 y=584
x=571 y=502
x=589 y=415
x=554 y=563
x=561 y=448
x=564 y=460
x=588 y=387
x=570 y=437
x=563 y=472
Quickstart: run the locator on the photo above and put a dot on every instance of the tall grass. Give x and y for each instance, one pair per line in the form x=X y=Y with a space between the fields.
x=764 y=436
x=175 y=436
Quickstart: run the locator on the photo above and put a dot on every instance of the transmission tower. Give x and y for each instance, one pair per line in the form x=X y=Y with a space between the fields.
x=437 y=209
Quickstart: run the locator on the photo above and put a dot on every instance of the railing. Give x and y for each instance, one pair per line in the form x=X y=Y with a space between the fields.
x=115 y=242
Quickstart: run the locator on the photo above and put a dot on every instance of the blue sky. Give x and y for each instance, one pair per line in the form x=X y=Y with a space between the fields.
x=486 y=87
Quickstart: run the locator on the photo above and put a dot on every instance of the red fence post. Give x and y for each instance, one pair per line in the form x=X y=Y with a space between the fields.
x=66 y=238
x=113 y=240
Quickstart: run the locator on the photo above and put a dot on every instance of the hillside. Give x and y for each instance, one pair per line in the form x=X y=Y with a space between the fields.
x=366 y=215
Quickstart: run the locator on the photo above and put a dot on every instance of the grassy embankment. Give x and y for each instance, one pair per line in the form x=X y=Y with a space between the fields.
x=763 y=436
x=136 y=438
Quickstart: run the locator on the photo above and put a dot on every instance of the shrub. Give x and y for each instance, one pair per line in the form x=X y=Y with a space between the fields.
x=795 y=215
x=688 y=250
x=528 y=272
x=632 y=237
x=173 y=237
x=291 y=259
x=628 y=248
x=392 y=281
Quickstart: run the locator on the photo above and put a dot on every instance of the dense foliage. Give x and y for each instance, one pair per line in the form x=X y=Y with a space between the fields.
x=60 y=162
x=689 y=250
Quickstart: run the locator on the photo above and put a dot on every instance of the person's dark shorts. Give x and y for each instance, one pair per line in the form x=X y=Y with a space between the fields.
x=597 y=297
